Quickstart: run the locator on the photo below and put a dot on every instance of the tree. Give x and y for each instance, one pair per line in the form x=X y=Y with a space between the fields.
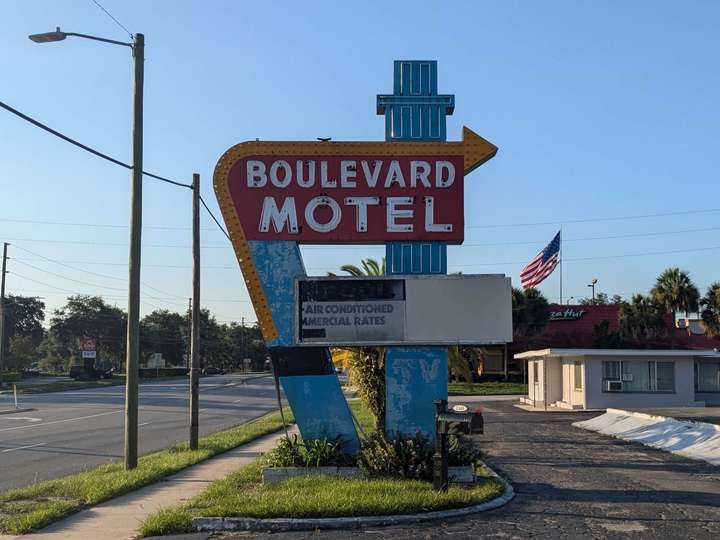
x=370 y=267
x=601 y=299
x=165 y=332
x=24 y=316
x=711 y=310
x=604 y=338
x=675 y=291
x=367 y=364
x=642 y=317
x=530 y=312
x=22 y=352
x=90 y=316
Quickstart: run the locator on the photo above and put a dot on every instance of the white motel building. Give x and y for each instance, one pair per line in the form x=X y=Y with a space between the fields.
x=622 y=378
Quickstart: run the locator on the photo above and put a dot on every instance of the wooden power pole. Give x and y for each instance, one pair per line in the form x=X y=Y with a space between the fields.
x=2 y=310
x=132 y=354
x=195 y=334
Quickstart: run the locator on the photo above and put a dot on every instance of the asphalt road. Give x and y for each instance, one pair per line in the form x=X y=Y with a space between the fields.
x=76 y=430
x=569 y=483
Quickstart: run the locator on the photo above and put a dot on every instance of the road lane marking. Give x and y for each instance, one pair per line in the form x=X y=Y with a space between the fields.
x=61 y=421
x=143 y=424
x=22 y=447
x=28 y=418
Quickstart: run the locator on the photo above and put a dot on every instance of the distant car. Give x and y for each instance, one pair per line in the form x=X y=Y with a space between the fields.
x=31 y=372
x=210 y=370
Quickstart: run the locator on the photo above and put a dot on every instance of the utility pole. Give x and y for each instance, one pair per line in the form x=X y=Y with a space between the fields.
x=189 y=333
x=242 y=342
x=132 y=358
x=195 y=340
x=2 y=310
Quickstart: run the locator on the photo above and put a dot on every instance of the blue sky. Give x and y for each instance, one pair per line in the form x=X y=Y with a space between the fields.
x=600 y=110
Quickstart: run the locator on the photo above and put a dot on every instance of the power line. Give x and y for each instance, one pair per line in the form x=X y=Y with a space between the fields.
x=215 y=219
x=111 y=16
x=590 y=220
x=85 y=147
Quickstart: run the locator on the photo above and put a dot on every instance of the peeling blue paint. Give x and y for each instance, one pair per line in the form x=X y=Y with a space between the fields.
x=414 y=377
x=317 y=401
x=320 y=408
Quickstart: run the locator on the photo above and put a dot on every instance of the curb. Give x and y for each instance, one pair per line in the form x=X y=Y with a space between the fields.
x=299 y=524
x=12 y=411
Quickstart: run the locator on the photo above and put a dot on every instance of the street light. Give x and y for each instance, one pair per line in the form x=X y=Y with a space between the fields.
x=133 y=327
x=592 y=284
x=569 y=301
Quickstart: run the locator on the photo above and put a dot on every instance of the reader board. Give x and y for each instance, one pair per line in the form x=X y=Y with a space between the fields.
x=408 y=310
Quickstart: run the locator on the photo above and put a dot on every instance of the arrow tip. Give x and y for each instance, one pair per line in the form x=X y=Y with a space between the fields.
x=477 y=150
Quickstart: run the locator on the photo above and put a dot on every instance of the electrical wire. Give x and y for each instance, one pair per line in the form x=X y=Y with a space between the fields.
x=85 y=147
x=215 y=219
x=121 y=25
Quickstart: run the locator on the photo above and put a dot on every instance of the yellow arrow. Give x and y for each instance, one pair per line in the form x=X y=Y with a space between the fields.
x=474 y=149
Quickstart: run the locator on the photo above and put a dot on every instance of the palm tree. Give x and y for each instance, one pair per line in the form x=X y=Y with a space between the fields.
x=641 y=317
x=367 y=364
x=370 y=267
x=711 y=313
x=530 y=312
x=675 y=291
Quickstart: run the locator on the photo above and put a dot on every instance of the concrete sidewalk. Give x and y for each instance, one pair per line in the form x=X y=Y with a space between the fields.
x=119 y=518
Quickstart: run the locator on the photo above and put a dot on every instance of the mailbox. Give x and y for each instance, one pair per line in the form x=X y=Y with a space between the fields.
x=459 y=420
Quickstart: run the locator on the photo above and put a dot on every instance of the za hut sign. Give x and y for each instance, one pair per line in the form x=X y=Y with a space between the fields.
x=349 y=192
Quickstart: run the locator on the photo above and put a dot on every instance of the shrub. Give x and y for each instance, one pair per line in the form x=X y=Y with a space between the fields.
x=411 y=457
x=294 y=452
x=401 y=457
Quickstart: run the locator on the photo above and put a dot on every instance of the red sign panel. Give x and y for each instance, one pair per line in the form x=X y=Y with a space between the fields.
x=349 y=199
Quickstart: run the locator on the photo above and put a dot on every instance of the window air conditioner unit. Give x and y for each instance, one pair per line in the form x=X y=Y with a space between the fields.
x=613 y=386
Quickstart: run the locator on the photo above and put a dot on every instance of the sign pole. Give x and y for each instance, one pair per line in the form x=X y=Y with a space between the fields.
x=195 y=336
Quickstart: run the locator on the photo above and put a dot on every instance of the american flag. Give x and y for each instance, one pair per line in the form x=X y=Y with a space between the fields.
x=542 y=265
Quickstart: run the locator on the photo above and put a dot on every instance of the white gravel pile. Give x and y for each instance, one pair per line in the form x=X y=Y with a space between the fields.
x=696 y=440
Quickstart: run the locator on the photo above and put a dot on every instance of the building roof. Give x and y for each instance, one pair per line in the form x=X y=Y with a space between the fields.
x=617 y=352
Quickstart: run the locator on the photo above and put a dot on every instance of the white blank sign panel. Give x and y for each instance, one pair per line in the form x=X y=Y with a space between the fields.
x=408 y=310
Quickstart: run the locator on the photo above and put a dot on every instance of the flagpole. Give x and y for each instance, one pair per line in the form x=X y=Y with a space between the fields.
x=561 y=258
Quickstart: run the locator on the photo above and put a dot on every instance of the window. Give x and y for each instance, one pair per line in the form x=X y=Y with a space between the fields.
x=536 y=368
x=707 y=376
x=577 y=368
x=611 y=370
x=640 y=376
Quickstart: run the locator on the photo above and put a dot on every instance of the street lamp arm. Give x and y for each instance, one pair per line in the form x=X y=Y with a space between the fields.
x=95 y=38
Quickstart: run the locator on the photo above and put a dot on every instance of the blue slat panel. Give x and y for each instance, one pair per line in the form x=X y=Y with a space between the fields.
x=415 y=377
x=320 y=408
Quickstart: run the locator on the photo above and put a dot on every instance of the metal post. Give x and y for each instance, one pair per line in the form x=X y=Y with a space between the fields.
x=440 y=457
x=195 y=340
x=132 y=358
x=2 y=310
x=561 y=270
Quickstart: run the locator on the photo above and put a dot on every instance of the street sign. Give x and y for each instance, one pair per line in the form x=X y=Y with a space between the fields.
x=413 y=310
x=348 y=192
x=89 y=354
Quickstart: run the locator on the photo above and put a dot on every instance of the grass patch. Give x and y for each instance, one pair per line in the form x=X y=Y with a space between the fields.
x=243 y=494
x=486 y=389
x=27 y=509
x=61 y=386
x=363 y=416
